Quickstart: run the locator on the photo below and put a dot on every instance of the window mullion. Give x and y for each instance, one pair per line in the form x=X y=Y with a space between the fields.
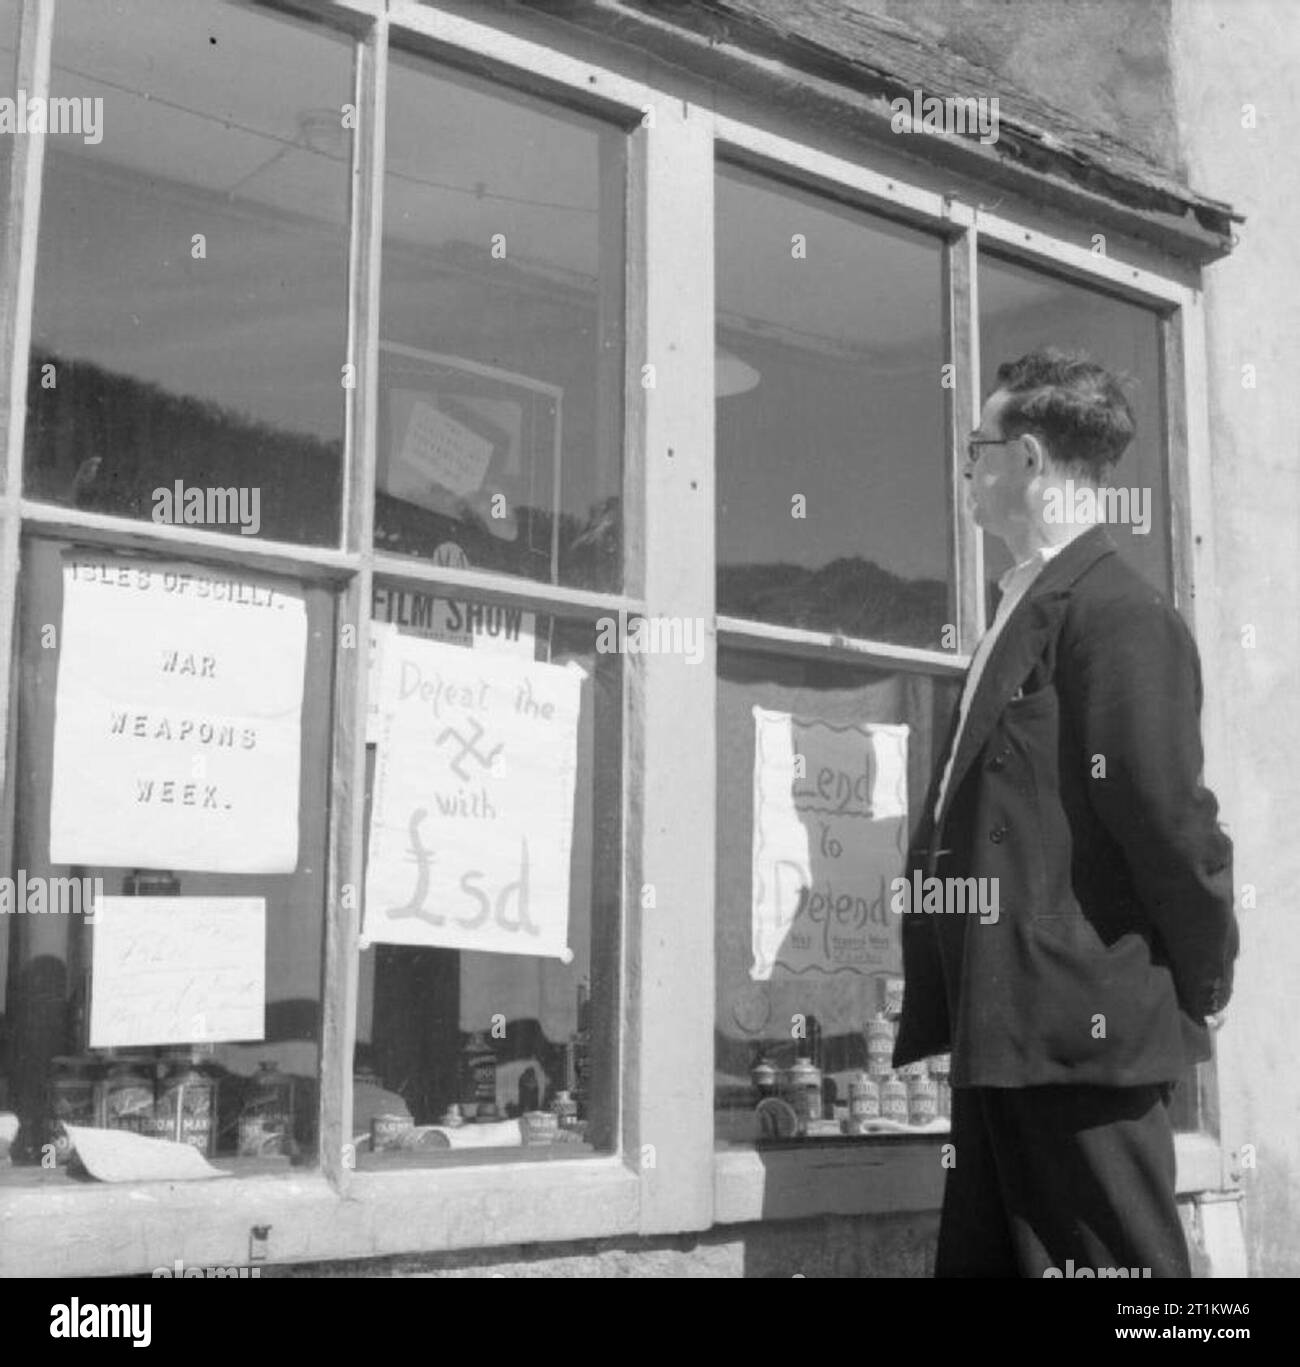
x=671 y=847
x=352 y=639
x=18 y=238
x=961 y=416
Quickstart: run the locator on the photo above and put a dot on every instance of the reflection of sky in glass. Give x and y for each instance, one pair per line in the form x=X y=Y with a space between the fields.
x=223 y=123
x=847 y=410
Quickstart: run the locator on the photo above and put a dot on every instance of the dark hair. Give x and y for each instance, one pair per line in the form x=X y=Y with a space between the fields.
x=1077 y=405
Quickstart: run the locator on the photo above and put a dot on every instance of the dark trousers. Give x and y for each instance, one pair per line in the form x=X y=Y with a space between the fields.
x=1046 y=1175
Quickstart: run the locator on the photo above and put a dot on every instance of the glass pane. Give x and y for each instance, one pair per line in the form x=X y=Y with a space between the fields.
x=191 y=295
x=161 y=778
x=1022 y=310
x=832 y=462
x=809 y=959
x=501 y=370
x=468 y=1053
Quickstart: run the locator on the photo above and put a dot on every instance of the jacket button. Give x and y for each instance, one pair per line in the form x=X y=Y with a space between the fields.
x=997 y=833
x=999 y=760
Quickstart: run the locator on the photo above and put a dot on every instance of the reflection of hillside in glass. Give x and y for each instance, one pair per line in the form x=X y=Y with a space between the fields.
x=105 y=442
x=850 y=596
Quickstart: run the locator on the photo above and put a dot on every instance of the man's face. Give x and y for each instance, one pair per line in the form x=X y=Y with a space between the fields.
x=999 y=479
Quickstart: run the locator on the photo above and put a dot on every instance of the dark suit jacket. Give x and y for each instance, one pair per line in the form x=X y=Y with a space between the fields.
x=1115 y=935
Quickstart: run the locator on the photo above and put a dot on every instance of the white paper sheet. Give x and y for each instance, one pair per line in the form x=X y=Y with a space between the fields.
x=827 y=843
x=120 y=1156
x=437 y=448
x=472 y=817
x=177 y=735
x=177 y=970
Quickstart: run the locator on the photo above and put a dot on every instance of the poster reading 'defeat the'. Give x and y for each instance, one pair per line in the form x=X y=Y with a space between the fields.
x=177 y=717
x=472 y=819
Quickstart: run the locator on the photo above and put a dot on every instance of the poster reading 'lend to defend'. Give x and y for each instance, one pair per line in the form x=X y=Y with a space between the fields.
x=830 y=835
x=472 y=816
x=177 y=718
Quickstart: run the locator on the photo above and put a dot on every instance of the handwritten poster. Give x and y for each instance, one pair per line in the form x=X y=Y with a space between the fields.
x=472 y=816
x=830 y=833
x=177 y=718
x=483 y=626
x=177 y=970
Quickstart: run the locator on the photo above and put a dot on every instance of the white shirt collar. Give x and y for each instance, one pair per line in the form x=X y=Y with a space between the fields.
x=1031 y=566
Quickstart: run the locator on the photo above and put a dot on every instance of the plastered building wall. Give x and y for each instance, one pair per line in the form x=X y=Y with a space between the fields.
x=1227 y=54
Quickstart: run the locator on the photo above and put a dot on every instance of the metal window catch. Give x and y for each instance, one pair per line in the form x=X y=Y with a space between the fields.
x=259 y=1238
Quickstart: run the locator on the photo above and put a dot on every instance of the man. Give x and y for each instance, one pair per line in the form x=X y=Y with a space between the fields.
x=1072 y=778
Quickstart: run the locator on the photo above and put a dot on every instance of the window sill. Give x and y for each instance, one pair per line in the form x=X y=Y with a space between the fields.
x=86 y=1229
x=883 y=1175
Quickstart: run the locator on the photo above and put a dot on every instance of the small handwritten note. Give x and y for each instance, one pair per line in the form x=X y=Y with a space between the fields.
x=437 y=447
x=177 y=970
x=472 y=819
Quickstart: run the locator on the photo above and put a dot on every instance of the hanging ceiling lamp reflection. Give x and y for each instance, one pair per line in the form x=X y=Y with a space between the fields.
x=731 y=375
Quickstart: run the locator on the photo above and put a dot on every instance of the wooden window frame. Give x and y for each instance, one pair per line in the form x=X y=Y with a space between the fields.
x=665 y=1175
x=894 y=1174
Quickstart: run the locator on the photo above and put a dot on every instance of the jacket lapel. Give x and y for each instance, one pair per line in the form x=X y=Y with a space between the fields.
x=1019 y=646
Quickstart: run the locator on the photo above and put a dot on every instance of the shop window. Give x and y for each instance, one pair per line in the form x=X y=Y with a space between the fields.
x=160 y=970
x=1022 y=310
x=190 y=326
x=501 y=354
x=486 y=1021
x=821 y=772
x=833 y=465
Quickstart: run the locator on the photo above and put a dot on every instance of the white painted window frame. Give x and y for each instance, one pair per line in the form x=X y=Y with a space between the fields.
x=665 y=1175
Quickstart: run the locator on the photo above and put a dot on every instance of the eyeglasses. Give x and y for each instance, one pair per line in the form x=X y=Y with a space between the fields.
x=974 y=443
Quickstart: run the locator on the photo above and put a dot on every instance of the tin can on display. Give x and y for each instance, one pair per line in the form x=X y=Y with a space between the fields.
x=864 y=1098
x=70 y=1099
x=880 y=1048
x=922 y=1101
x=891 y=996
x=763 y=1076
x=803 y=1089
x=125 y=1098
x=940 y=1067
x=386 y=1131
x=909 y=1072
x=893 y=1099
x=565 y=1110
x=266 y=1121
x=479 y=1076
x=184 y=1111
x=943 y=1106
